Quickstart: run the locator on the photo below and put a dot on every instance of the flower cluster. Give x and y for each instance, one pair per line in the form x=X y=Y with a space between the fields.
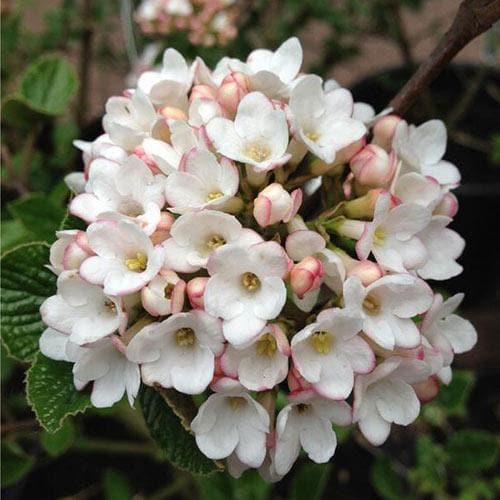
x=256 y=236
x=207 y=22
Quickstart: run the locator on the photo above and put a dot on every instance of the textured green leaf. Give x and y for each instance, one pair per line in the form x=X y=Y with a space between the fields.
x=250 y=486
x=49 y=84
x=56 y=443
x=310 y=481
x=471 y=450
x=25 y=284
x=16 y=111
x=167 y=430
x=115 y=485
x=387 y=483
x=39 y=215
x=453 y=398
x=15 y=463
x=52 y=394
x=13 y=235
x=429 y=474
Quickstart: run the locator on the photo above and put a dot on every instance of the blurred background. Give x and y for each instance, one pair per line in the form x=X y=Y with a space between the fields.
x=88 y=50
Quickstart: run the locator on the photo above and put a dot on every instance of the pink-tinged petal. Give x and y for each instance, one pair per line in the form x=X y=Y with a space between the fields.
x=302 y=243
x=262 y=210
x=296 y=202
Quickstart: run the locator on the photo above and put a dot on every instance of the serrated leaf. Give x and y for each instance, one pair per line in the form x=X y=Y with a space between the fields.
x=56 y=443
x=429 y=474
x=52 y=394
x=13 y=235
x=167 y=430
x=49 y=84
x=16 y=463
x=471 y=450
x=39 y=215
x=25 y=284
x=310 y=481
x=387 y=483
x=115 y=485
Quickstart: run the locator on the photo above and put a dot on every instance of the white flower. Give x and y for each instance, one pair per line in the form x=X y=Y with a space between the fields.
x=203 y=182
x=415 y=188
x=443 y=246
x=258 y=136
x=246 y=288
x=170 y=85
x=231 y=421
x=388 y=306
x=421 y=150
x=391 y=236
x=196 y=235
x=128 y=189
x=328 y=352
x=447 y=332
x=303 y=243
x=307 y=423
x=125 y=259
x=261 y=365
x=178 y=352
x=128 y=121
x=102 y=147
x=275 y=204
x=322 y=121
x=68 y=251
x=168 y=157
x=386 y=396
x=101 y=363
x=82 y=310
x=164 y=294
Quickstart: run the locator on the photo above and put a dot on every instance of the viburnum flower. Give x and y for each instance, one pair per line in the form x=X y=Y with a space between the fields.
x=125 y=259
x=178 y=352
x=328 y=352
x=252 y=236
x=83 y=311
x=263 y=145
x=246 y=288
x=307 y=422
x=261 y=365
x=202 y=183
x=231 y=421
x=101 y=362
x=387 y=307
x=386 y=396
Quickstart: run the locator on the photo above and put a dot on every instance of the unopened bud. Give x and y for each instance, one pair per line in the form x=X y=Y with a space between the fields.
x=366 y=270
x=296 y=383
x=195 y=291
x=232 y=90
x=162 y=231
x=306 y=276
x=173 y=113
x=447 y=206
x=373 y=167
x=427 y=390
x=275 y=204
x=202 y=92
x=383 y=131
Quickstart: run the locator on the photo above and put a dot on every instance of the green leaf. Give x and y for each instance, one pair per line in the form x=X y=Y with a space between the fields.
x=16 y=111
x=471 y=450
x=310 y=481
x=13 y=235
x=38 y=214
x=52 y=394
x=250 y=486
x=429 y=474
x=387 y=483
x=15 y=463
x=49 y=84
x=6 y=365
x=25 y=284
x=170 y=435
x=115 y=485
x=56 y=443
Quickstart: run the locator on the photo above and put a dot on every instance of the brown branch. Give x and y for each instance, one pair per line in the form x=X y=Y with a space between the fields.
x=473 y=18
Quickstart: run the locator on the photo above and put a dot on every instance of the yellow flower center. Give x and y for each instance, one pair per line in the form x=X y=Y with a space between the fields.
x=312 y=136
x=213 y=196
x=184 y=337
x=250 y=281
x=215 y=242
x=110 y=306
x=236 y=402
x=168 y=291
x=258 y=152
x=138 y=264
x=370 y=305
x=322 y=342
x=379 y=237
x=266 y=345
x=302 y=408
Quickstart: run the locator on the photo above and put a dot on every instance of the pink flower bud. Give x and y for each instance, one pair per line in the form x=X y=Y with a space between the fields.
x=202 y=92
x=447 y=206
x=162 y=231
x=164 y=294
x=173 y=113
x=306 y=275
x=427 y=390
x=373 y=167
x=345 y=154
x=232 y=90
x=195 y=290
x=383 y=131
x=296 y=383
x=367 y=271
x=274 y=204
